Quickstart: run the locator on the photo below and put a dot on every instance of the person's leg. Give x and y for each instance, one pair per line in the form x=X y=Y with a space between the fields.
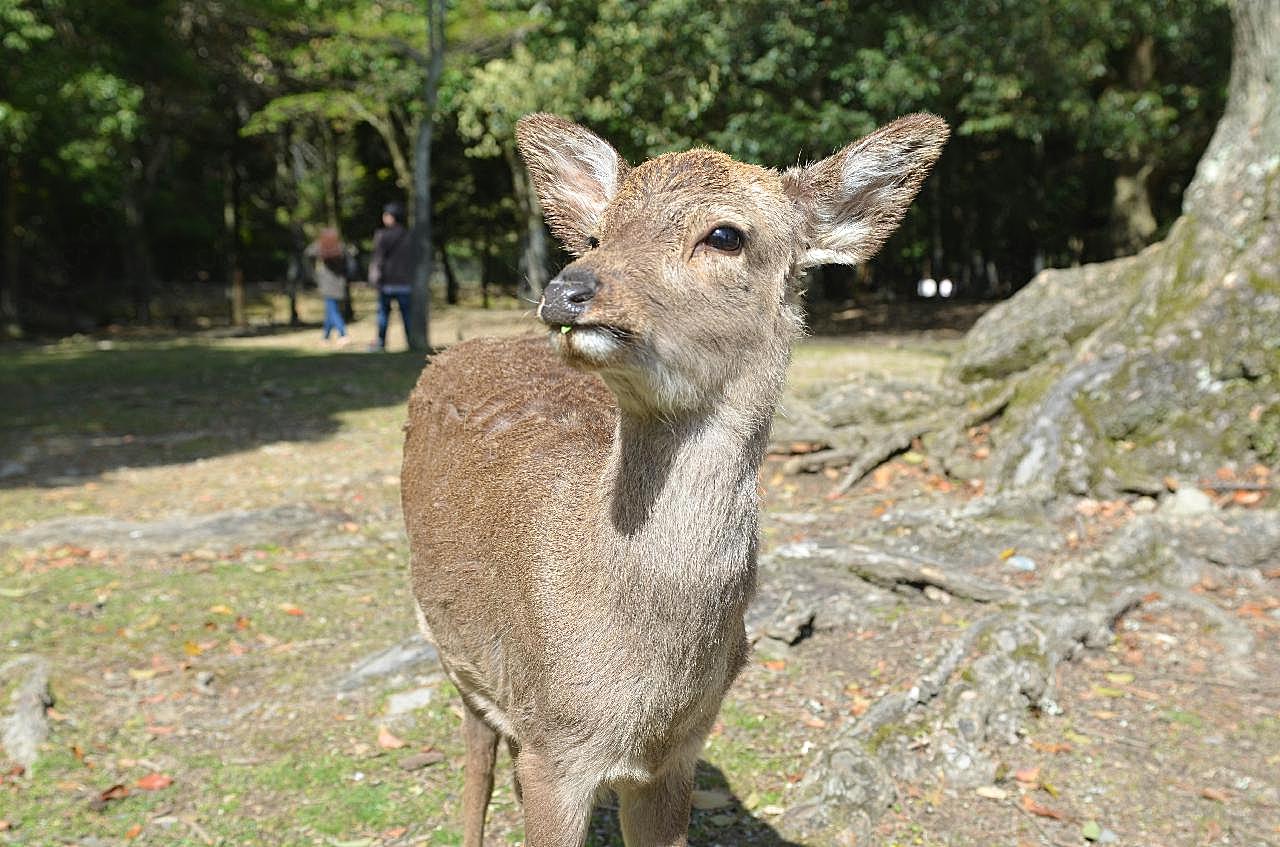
x=406 y=307
x=328 y=320
x=384 y=309
x=333 y=316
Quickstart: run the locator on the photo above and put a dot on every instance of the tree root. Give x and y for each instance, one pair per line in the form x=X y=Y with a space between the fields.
x=976 y=692
x=899 y=437
x=891 y=570
x=28 y=726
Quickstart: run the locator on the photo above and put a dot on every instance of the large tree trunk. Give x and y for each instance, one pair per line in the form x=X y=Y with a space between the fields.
x=424 y=254
x=1111 y=377
x=1162 y=367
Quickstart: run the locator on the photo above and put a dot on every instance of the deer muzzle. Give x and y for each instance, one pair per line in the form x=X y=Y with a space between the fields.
x=567 y=296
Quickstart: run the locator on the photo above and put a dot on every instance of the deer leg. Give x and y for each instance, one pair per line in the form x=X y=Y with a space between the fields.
x=656 y=814
x=556 y=809
x=513 y=747
x=477 y=787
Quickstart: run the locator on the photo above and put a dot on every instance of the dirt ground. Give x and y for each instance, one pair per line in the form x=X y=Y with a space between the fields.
x=202 y=537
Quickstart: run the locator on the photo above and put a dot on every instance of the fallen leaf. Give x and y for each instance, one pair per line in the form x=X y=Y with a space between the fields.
x=1120 y=678
x=1105 y=691
x=115 y=792
x=133 y=831
x=158 y=730
x=1007 y=553
x=1043 y=811
x=813 y=723
x=221 y=609
x=774 y=664
x=192 y=649
x=1051 y=746
x=1214 y=794
x=1027 y=775
x=991 y=792
x=290 y=609
x=5 y=826
x=387 y=741
x=154 y=782
x=1091 y=831
x=394 y=832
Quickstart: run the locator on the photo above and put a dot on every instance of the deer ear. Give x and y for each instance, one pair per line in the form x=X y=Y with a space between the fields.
x=855 y=199
x=575 y=174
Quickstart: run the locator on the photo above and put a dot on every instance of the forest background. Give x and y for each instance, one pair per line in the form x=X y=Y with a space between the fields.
x=155 y=154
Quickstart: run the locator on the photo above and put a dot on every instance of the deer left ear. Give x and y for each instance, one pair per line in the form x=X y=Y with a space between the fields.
x=854 y=200
x=575 y=174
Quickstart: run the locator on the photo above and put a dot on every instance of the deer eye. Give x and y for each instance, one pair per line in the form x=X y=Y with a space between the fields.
x=726 y=239
x=592 y=242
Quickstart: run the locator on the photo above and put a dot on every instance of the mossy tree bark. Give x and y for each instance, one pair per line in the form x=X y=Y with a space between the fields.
x=1167 y=363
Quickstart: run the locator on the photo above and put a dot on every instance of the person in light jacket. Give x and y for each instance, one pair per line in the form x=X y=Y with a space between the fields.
x=330 y=258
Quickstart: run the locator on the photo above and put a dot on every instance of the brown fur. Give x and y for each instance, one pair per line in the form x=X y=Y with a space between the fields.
x=582 y=514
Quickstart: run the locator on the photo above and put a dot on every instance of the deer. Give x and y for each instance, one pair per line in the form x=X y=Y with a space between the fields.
x=582 y=504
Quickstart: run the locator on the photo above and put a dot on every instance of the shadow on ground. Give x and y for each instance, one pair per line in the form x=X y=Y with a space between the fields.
x=730 y=824
x=77 y=411
x=913 y=315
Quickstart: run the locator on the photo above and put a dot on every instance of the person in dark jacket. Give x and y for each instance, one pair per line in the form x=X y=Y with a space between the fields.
x=391 y=270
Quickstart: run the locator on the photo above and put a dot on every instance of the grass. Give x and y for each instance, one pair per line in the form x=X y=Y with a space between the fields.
x=189 y=662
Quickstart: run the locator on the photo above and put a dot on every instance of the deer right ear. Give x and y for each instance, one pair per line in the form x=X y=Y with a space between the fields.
x=575 y=174
x=854 y=200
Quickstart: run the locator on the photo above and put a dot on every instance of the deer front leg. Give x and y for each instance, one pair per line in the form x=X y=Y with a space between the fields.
x=556 y=809
x=657 y=814
x=482 y=749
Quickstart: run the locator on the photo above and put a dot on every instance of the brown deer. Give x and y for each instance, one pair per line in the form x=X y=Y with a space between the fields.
x=582 y=512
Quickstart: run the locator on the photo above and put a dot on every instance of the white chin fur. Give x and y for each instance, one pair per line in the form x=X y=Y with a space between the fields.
x=596 y=345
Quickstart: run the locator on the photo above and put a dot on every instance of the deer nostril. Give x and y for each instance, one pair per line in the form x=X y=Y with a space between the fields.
x=579 y=293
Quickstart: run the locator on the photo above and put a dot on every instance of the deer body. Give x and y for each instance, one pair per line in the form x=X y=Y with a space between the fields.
x=582 y=513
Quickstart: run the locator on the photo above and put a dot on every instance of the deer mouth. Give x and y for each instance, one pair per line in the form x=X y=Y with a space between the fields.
x=589 y=343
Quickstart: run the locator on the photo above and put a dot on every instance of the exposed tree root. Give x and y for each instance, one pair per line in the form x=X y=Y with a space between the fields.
x=899 y=437
x=890 y=570
x=26 y=728
x=976 y=692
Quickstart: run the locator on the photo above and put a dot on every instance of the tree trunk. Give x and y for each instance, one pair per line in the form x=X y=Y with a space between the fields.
x=1162 y=367
x=450 y=278
x=10 y=323
x=1132 y=221
x=419 y=335
x=136 y=249
x=533 y=240
x=231 y=235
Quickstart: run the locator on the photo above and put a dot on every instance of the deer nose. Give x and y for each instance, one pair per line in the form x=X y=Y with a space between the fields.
x=566 y=297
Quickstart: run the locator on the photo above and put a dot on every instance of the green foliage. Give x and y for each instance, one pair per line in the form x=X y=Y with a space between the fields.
x=302 y=112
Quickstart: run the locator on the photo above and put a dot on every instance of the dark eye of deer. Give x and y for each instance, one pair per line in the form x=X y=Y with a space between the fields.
x=592 y=242
x=725 y=239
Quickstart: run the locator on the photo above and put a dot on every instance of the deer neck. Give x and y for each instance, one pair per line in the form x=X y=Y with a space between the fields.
x=680 y=490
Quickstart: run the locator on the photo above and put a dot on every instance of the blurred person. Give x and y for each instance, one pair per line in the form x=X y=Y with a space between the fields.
x=330 y=256
x=391 y=271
